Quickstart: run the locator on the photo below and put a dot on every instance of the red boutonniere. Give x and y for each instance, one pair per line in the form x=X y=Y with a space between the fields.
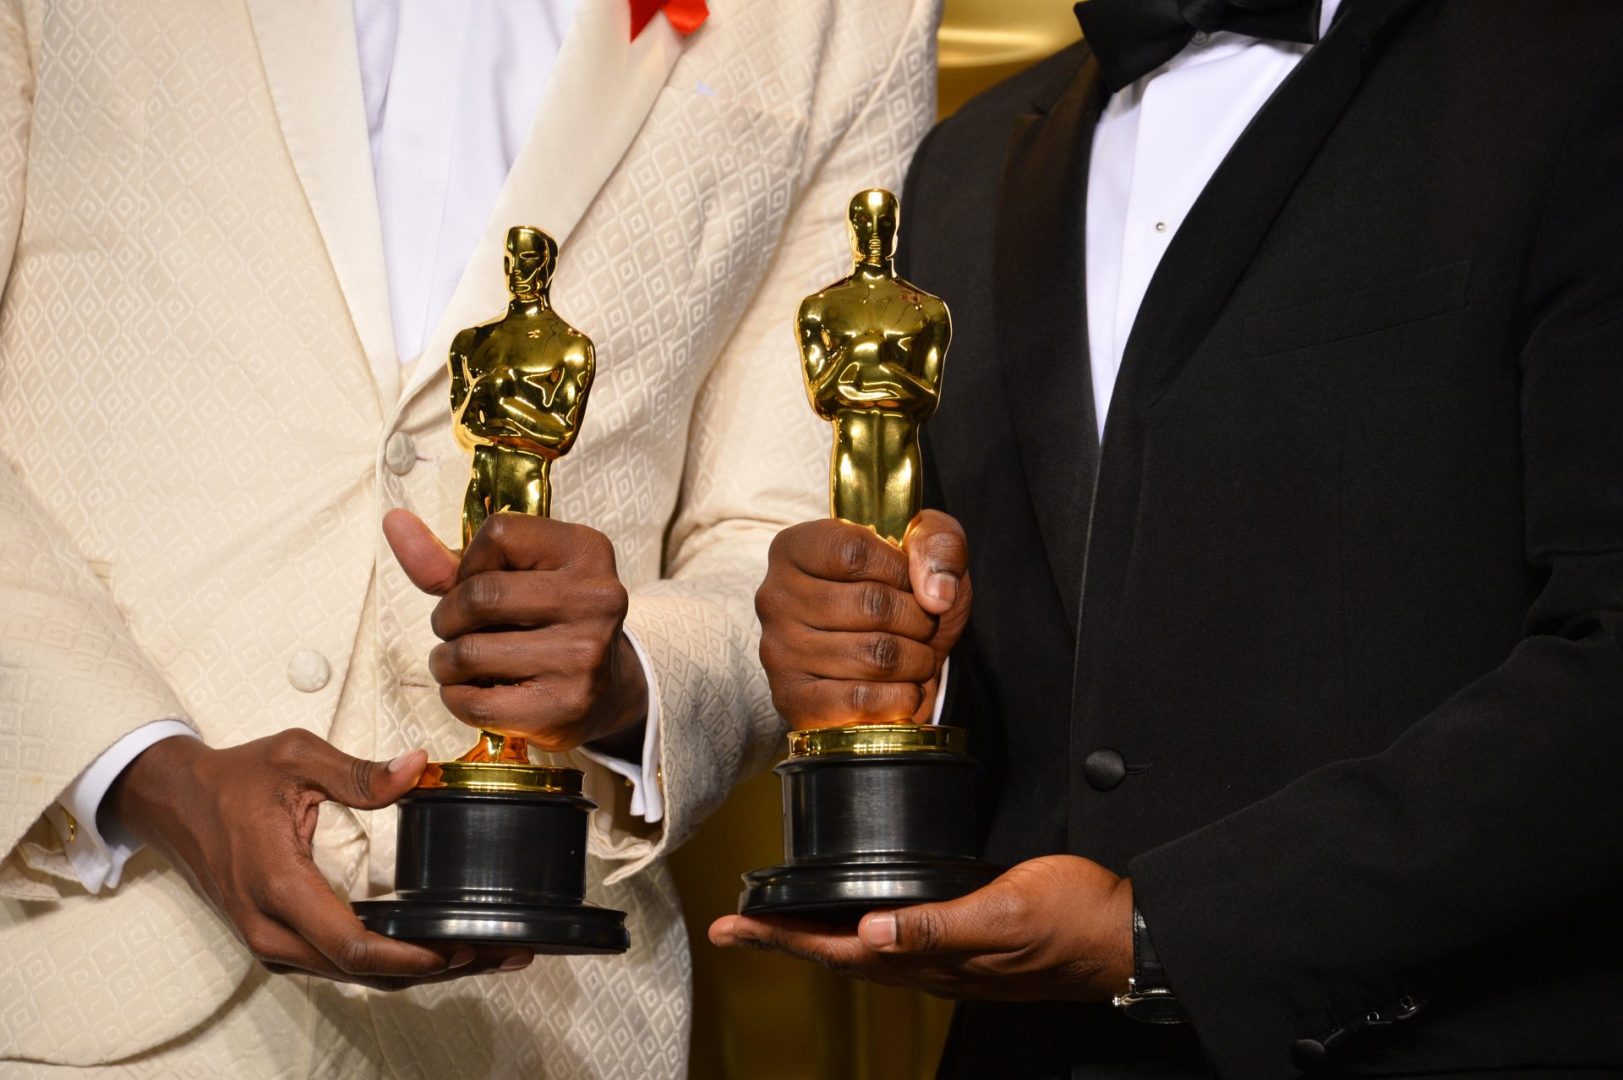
x=684 y=15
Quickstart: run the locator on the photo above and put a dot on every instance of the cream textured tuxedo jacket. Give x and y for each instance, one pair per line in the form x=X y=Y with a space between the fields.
x=197 y=386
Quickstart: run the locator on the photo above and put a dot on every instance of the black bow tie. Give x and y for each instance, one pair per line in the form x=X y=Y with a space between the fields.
x=1132 y=38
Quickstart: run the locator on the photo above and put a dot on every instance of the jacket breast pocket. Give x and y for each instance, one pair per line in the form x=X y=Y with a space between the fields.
x=1390 y=304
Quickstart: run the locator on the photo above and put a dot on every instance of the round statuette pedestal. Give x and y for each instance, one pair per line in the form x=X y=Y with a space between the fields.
x=873 y=816
x=495 y=868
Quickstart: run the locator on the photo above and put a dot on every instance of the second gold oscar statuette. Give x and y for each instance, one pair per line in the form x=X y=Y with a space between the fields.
x=491 y=849
x=875 y=814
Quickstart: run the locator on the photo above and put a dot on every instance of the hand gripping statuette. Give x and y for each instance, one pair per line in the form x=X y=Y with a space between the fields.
x=875 y=815
x=492 y=848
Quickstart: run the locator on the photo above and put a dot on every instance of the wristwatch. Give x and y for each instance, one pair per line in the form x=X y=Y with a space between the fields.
x=1148 y=996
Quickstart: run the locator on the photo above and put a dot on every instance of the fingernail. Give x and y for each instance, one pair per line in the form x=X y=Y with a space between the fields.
x=517 y=963
x=400 y=762
x=942 y=588
x=879 y=931
x=460 y=958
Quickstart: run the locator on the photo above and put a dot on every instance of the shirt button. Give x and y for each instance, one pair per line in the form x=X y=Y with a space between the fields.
x=308 y=671
x=1201 y=37
x=400 y=453
x=1160 y=226
x=1104 y=769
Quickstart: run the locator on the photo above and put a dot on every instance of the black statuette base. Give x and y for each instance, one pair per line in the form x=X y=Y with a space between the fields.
x=863 y=831
x=844 y=892
x=505 y=868
x=563 y=929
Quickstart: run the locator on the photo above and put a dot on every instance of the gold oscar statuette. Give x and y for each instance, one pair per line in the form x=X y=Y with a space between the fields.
x=874 y=813
x=518 y=394
x=872 y=346
x=491 y=847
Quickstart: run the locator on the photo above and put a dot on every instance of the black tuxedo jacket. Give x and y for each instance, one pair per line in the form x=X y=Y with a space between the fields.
x=1324 y=646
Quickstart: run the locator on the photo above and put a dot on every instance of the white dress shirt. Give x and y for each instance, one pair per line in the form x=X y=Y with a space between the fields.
x=450 y=91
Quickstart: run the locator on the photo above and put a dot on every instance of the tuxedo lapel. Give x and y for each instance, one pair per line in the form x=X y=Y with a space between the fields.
x=1040 y=298
x=595 y=103
x=312 y=68
x=1228 y=222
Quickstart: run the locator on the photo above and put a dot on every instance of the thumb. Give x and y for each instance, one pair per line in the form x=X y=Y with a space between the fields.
x=977 y=923
x=430 y=564
x=937 y=559
x=361 y=784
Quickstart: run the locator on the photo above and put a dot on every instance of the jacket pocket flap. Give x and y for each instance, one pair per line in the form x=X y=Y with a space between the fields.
x=1363 y=311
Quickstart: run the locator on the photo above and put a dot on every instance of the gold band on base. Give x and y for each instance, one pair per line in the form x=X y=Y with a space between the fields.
x=500 y=776
x=876 y=739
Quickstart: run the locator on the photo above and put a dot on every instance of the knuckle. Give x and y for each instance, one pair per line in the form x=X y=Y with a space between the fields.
x=876 y=603
x=467 y=652
x=293 y=747
x=608 y=598
x=882 y=653
x=262 y=943
x=850 y=555
x=778 y=550
x=581 y=656
x=771 y=653
x=862 y=698
x=781 y=703
x=596 y=547
x=1015 y=911
x=798 y=541
x=926 y=929
x=946 y=543
x=271 y=895
x=360 y=777
x=575 y=698
x=788 y=688
x=598 y=652
x=353 y=956
x=499 y=529
x=472 y=705
x=483 y=595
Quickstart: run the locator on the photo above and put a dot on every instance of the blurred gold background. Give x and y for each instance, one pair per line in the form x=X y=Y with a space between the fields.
x=759 y=1017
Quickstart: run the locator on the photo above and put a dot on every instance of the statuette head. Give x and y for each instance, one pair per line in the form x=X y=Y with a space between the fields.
x=872 y=219
x=531 y=257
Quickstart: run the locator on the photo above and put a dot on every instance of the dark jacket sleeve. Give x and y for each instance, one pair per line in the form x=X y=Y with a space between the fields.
x=1503 y=808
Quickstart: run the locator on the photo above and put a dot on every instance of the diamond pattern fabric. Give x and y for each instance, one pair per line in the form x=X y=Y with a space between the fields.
x=192 y=473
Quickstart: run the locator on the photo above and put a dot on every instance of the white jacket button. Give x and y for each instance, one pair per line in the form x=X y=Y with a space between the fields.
x=400 y=453
x=308 y=671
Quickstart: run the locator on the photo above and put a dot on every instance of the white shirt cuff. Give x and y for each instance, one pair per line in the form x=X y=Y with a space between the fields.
x=647 y=800
x=98 y=857
x=941 y=691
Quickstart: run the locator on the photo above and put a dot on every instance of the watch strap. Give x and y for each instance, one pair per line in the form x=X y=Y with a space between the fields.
x=1147 y=971
x=1148 y=996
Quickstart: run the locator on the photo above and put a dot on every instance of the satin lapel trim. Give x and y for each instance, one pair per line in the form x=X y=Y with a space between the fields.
x=314 y=74
x=1041 y=304
x=1231 y=218
x=594 y=105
